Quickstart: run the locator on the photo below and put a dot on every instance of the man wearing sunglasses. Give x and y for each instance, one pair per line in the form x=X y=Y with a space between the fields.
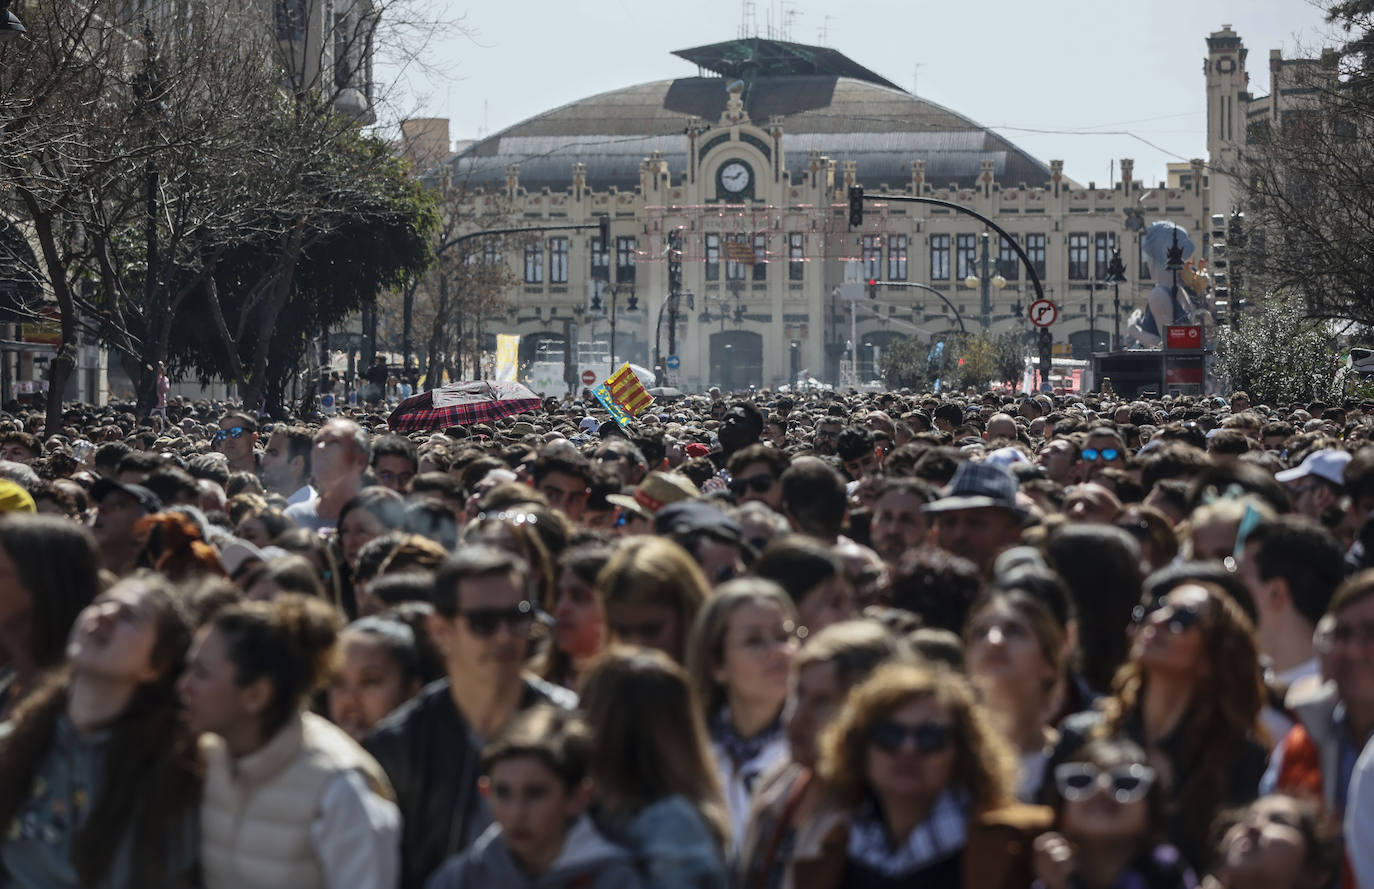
x=237 y=435
x=1105 y=449
x=430 y=748
x=756 y=474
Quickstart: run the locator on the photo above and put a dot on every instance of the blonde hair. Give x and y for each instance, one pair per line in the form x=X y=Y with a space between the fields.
x=656 y=571
x=984 y=764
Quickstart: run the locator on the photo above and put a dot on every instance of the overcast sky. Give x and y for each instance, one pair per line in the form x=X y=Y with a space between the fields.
x=1103 y=77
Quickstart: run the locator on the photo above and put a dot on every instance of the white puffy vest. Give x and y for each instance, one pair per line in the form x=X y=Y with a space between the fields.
x=256 y=814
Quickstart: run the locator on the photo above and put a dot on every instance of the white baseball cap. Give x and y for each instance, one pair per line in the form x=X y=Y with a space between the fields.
x=1328 y=464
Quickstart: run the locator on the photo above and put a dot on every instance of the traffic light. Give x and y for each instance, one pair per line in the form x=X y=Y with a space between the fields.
x=856 y=206
x=603 y=224
x=872 y=288
x=674 y=261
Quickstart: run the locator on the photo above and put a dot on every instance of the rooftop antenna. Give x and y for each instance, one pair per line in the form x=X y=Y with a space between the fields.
x=789 y=14
x=915 y=73
x=823 y=37
x=749 y=23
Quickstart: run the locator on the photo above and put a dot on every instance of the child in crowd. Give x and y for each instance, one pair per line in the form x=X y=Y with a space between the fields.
x=534 y=777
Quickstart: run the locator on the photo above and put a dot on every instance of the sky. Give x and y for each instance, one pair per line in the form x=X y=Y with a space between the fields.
x=1085 y=81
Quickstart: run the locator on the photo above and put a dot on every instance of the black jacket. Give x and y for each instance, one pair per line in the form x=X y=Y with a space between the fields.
x=432 y=757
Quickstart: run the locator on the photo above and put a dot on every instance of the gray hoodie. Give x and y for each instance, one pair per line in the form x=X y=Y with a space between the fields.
x=587 y=861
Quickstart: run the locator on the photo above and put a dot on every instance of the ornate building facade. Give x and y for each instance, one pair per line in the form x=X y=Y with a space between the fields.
x=751 y=162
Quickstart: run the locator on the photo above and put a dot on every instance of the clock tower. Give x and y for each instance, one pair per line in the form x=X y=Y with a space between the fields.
x=1227 y=98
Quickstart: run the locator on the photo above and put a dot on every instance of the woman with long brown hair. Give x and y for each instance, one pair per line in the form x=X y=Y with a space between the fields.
x=657 y=789
x=653 y=590
x=930 y=787
x=98 y=778
x=739 y=661
x=49 y=572
x=1190 y=694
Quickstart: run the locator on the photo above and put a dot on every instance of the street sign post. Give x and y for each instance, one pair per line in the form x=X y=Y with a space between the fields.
x=588 y=377
x=1043 y=313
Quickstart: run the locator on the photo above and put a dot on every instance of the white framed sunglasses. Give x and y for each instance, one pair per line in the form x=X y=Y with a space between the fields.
x=1127 y=783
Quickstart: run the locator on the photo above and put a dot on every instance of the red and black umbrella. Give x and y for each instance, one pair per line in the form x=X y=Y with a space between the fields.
x=462 y=404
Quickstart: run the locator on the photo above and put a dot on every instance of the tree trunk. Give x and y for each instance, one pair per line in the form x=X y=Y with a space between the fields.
x=407 y=326
x=61 y=368
x=437 y=339
x=255 y=386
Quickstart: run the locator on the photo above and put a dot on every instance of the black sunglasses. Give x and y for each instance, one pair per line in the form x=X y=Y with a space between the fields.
x=890 y=736
x=756 y=483
x=1181 y=618
x=235 y=432
x=485 y=621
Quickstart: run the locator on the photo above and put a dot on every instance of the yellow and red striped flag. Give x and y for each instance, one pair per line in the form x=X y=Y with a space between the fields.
x=627 y=391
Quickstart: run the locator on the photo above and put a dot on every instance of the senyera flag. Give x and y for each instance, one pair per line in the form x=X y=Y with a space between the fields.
x=623 y=395
x=461 y=404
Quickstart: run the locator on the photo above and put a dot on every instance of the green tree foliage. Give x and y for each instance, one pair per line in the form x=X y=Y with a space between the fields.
x=974 y=359
x=1308 y=194
x=1279 y=353
x=906 y=364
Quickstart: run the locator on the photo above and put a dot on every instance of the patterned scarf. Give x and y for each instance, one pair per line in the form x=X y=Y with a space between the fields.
x=742 y=750
x=943 y=833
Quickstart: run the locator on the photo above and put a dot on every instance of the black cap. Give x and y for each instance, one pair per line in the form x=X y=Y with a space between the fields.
x=146 y=498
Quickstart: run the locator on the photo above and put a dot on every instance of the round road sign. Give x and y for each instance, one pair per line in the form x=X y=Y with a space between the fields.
x=588 y=377
x=1043 y=313
x=674 y=362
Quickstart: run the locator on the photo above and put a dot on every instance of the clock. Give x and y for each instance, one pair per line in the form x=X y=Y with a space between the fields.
x=735 y=178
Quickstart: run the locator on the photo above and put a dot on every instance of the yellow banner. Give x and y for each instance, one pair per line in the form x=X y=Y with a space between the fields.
x=507 y=357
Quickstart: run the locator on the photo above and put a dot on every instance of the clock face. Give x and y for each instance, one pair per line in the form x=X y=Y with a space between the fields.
x=735 y=177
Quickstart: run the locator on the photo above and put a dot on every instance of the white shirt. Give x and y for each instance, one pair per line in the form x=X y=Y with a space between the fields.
x=1359 y=818
x=357 y=836
x=1276 y=722
x=303 y=493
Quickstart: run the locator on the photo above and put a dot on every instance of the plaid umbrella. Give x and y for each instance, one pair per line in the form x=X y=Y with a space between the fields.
x=462 y=404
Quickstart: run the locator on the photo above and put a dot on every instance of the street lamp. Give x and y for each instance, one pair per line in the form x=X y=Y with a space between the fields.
x=996 y=281
x=10 y=26
x=1116 y=276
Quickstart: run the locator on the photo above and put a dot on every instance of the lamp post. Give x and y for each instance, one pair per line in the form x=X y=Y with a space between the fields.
x=926 y=287
x=632 y=304
x=1116 y=276
x=984 y=282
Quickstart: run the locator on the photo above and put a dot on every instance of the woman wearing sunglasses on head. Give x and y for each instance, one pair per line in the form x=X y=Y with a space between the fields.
x=929 y=785
x=1190 y=695
x=1109 y=825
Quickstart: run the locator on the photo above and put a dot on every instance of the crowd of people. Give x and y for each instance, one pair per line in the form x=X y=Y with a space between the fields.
x=824 y=640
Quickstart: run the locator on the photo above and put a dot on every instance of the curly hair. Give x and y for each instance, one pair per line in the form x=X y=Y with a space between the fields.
x=984 y=764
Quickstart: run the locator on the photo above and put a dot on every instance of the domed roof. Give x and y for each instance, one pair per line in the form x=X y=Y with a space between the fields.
x=836 y=107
